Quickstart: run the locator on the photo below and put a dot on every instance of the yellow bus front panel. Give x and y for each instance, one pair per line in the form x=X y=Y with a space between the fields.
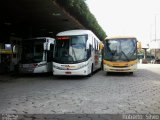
x=120 y=66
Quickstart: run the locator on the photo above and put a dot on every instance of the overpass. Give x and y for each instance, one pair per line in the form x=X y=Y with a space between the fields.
x=29 y=18
x=20 y=19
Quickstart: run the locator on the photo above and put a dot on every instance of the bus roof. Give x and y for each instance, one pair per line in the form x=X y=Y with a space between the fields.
x=35 y=38
x=75 y=32
x=119 y=37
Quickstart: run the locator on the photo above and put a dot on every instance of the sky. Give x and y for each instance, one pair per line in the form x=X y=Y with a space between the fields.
x=128 y=17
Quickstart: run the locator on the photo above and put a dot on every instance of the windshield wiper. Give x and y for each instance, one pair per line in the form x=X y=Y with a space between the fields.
x=124 y=55
x=113 y=54
x=74 y=53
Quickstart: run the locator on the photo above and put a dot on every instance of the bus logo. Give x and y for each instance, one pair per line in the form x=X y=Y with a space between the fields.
x=67 y=66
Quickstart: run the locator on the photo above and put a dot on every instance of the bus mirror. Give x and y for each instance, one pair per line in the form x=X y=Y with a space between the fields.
x=46 y=46
x=87 y=45
x=101 y=46
x=139 y=46
x=15 y=49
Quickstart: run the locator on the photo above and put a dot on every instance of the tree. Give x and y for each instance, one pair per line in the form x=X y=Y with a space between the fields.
x=81 y=12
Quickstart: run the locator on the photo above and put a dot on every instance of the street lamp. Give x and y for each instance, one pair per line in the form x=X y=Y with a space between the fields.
x=155 y=36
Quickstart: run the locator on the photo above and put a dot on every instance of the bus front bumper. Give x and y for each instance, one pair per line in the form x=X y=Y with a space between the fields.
x=119 y=69
x=78 y=72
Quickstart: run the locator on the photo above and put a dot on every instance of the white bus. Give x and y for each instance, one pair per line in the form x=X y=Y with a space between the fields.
x=37 y=55
x=77 y=52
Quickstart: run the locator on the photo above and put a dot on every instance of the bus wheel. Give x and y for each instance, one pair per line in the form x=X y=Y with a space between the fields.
x=91 y=71
x=107 y=73
x=101 y=65
x=131 y=73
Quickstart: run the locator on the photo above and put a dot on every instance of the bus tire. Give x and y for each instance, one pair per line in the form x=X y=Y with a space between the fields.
x=101 y=65
x=131 y=73
x=91 y=71
x=107 y=73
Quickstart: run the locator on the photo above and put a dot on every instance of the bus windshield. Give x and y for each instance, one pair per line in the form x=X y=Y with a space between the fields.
x=121 y=49
x=32 y=51
x=70 y=49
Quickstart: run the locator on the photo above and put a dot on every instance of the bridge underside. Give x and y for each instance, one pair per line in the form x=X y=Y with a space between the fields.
x=20 y=19
x=30 y=18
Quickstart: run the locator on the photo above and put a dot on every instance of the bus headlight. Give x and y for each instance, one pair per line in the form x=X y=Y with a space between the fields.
x=82 y=65
x=109 y=65
x=54 y=66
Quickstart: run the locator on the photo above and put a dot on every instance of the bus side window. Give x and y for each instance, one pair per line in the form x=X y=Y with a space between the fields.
x=93 y=46
x=89 y=51
x=96 y=44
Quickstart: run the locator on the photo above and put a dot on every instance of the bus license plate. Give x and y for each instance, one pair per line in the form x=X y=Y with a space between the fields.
x=119 y=70
x=68 y=73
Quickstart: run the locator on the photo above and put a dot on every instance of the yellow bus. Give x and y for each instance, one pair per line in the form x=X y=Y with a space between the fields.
x=120 y=54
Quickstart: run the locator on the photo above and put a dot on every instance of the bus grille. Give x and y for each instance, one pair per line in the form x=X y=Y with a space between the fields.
x=120 y=66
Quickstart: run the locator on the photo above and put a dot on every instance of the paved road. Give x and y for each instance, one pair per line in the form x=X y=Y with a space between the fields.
x=113 y=94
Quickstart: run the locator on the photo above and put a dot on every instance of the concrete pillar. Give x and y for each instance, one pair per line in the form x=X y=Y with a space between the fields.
x=145 y=53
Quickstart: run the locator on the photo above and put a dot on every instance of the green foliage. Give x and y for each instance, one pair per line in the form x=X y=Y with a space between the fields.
x=80 y=11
